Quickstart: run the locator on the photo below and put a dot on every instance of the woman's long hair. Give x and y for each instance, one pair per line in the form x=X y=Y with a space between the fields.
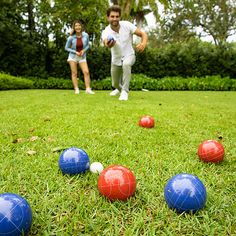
x=73 y=26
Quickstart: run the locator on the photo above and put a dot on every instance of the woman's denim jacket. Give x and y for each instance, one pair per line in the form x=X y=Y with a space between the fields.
x=71 y=44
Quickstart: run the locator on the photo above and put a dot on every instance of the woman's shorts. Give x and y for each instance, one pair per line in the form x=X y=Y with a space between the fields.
x=76 y=59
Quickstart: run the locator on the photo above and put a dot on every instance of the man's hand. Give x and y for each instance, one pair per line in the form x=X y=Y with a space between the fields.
x=140 y=47
x=144 y=38
x=111 y=43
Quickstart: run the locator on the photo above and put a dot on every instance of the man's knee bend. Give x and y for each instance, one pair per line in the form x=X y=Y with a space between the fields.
x=126 y=66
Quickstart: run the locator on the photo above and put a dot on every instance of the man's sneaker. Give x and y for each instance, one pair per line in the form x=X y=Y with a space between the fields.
x=114 y=92
x=89 y=91
x=76 y=91
x=123 y=96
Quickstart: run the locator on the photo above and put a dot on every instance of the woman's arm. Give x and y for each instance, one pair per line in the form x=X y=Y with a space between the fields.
x=68 y=45
x=86 y=47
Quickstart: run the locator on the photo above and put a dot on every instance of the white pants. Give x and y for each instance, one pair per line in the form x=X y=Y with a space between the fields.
x=121 y=75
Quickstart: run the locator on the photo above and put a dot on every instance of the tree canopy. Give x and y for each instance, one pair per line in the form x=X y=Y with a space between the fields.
x=215 y=18
x=34 y=32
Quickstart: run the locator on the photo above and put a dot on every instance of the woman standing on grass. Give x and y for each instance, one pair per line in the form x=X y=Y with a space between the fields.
x=77 y=44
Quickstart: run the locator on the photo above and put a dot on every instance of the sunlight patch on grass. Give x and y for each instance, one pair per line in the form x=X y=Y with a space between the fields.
x=107 y=129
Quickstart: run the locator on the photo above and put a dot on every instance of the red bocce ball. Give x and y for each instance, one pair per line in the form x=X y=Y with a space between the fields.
x=146 y=122
x=117 y=183
x=211 y=151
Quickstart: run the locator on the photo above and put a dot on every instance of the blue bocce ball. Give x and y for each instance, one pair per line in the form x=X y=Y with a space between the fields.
x=15 y=215
x=73 y=161
x=110 y=38
x=185 y=193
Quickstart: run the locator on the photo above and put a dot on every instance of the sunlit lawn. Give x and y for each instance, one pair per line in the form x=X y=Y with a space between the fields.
x=36 y=125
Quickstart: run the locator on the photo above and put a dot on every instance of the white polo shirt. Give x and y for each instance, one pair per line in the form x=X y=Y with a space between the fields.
x=124 y=40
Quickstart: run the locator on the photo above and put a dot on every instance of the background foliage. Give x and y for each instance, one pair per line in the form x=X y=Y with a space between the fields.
x=34 y=32
x=138 y=82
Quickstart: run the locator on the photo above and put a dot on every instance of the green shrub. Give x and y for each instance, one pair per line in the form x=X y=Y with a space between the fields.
x=8 y=82
x=52 y=83
x=99 y=62
x=190 y=59
x=138 y=82
x=213 y=83
x=104 y=84
x=186 y=59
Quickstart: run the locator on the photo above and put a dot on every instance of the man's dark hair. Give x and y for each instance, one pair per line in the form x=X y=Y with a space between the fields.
x=114 y=8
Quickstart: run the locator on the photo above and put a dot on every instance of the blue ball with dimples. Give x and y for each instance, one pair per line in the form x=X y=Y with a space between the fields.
x=15 y=215
x=110 y=38
x=74 y=161
x=185 y=193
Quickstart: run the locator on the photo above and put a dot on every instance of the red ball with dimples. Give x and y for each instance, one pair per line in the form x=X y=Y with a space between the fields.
x=117 y=183
x=211 y=151
x=147 y=122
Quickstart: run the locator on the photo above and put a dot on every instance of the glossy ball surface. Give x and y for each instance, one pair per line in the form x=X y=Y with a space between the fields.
x=117 y=183
x=15 y=215
x=147 y=122
x=211 y=151
x=96 y=168
x=73 y=161
x=110 y=38
x=185 y=193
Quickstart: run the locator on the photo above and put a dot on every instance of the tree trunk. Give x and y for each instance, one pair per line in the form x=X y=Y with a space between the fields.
x=31 y=23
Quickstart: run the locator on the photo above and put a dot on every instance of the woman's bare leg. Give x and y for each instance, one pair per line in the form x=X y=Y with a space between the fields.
x=74 y=74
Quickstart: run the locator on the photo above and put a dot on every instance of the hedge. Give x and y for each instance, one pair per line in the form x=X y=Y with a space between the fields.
x=8 y=82
x=191 y=59
x=138 y=82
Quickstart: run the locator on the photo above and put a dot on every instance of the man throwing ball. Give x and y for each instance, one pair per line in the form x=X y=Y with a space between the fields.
x=118 y=36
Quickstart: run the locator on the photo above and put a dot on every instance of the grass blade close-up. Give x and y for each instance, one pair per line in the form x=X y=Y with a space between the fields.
x=37 y=125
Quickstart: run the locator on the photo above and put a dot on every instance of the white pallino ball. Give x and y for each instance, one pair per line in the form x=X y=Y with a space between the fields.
x=96 y=167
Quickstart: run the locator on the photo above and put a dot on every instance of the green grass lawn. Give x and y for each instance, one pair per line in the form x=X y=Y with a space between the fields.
x=36 y=125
